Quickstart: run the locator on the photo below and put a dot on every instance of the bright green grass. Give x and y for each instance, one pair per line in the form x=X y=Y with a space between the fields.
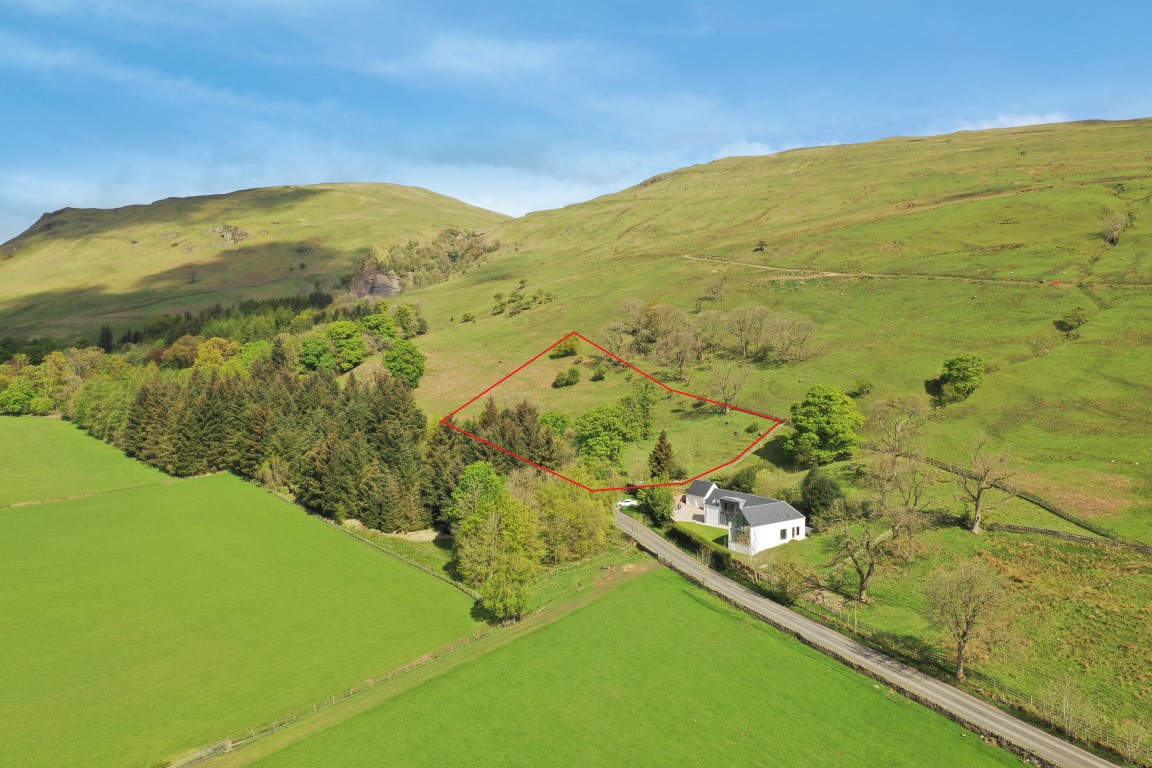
x=709 y=532
x=49 y=459
x=83 y=267
x=710 y=687
x=139 y=624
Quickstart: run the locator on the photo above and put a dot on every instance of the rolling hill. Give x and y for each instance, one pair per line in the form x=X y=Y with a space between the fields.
x=902 y=252
x=76 y=269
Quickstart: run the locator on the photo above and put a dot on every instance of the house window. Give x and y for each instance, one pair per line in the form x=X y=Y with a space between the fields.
x=795 y=531
x=783 y=533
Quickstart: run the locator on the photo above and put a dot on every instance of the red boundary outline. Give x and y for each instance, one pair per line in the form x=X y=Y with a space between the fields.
x=447 y=420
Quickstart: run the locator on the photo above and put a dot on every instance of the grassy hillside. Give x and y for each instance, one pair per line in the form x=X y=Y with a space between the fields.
x=713 y=686
x=903 y=252
x=76 y=269
x=143 y=622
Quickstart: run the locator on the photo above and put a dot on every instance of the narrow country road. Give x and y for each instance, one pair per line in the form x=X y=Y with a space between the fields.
x=959 y=705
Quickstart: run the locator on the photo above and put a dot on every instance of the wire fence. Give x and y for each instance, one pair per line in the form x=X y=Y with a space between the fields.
x=402 y=558
x=1026 y=495
x=1092 y=540
x=205 y=754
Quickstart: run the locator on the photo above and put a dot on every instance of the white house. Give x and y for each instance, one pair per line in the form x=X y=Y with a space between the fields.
x=754 y=523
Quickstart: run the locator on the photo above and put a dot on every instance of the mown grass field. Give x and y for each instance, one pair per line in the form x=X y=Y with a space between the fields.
x=80 y=268
x=49 y=459
x=600 y=687
x=902 y=252
x=141 y=623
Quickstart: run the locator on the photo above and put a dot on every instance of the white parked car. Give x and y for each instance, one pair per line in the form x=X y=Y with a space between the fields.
x=627 y=503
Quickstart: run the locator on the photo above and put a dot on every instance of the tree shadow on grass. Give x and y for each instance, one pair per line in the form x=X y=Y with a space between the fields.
x=772 y=451
x=480 y=613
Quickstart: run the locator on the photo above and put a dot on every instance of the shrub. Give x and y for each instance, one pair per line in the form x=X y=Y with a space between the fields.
x=566 y=348
x=721 y=556
x=567 y=378
x=598 y=373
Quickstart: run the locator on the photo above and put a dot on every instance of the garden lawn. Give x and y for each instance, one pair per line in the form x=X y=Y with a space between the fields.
x=601 y=687
x=139 y=624
x=51 y=459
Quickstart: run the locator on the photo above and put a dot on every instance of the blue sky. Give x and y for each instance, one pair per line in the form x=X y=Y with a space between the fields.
x=516 y=106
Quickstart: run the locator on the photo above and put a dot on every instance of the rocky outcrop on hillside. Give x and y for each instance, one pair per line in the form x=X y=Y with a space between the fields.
x=230 y=234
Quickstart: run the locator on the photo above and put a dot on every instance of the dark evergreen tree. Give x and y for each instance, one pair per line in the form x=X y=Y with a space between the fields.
x=105 y=339
x=662 y=463
x=444 y=461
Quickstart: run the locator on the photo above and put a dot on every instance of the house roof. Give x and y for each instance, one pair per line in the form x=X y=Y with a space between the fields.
x=758 y=510
x=775 y=511
x=700 y=488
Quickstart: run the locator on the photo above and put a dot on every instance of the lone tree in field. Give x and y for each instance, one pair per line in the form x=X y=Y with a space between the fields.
x=1112 y=227
x=662 y=464
x=985 y=472
x=824 y=427
x=861 y=539
x=969 y=602
x=960 y=377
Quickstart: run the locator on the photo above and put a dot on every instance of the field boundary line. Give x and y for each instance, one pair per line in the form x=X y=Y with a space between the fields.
x=204 y=754
x=35 y=502
x=1092 y=540
x=501 y=635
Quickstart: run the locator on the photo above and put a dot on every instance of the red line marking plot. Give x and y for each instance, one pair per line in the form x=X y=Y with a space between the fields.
x=447 y=420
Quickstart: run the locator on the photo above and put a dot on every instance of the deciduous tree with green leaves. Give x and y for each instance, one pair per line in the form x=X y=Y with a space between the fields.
x=405 y=362
x=824 y=427
x=348 y=344
x=960 y=377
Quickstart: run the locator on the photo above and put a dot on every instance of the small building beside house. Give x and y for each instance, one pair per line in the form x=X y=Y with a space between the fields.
x=754 y=523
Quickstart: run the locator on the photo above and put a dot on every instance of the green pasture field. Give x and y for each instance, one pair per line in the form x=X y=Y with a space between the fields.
x=702 y=435
x=139 y=624
x=50 y=459
x=80 y=268
x=1081 y=613
x=601 y=687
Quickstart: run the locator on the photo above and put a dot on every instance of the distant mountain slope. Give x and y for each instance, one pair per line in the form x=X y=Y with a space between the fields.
x=78 y=268
x=1022 y=203
x=901 y=253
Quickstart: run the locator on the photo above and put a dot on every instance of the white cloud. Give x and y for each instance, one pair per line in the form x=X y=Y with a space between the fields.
x=466 y=55
x=23 y=54
x=1013 y=121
